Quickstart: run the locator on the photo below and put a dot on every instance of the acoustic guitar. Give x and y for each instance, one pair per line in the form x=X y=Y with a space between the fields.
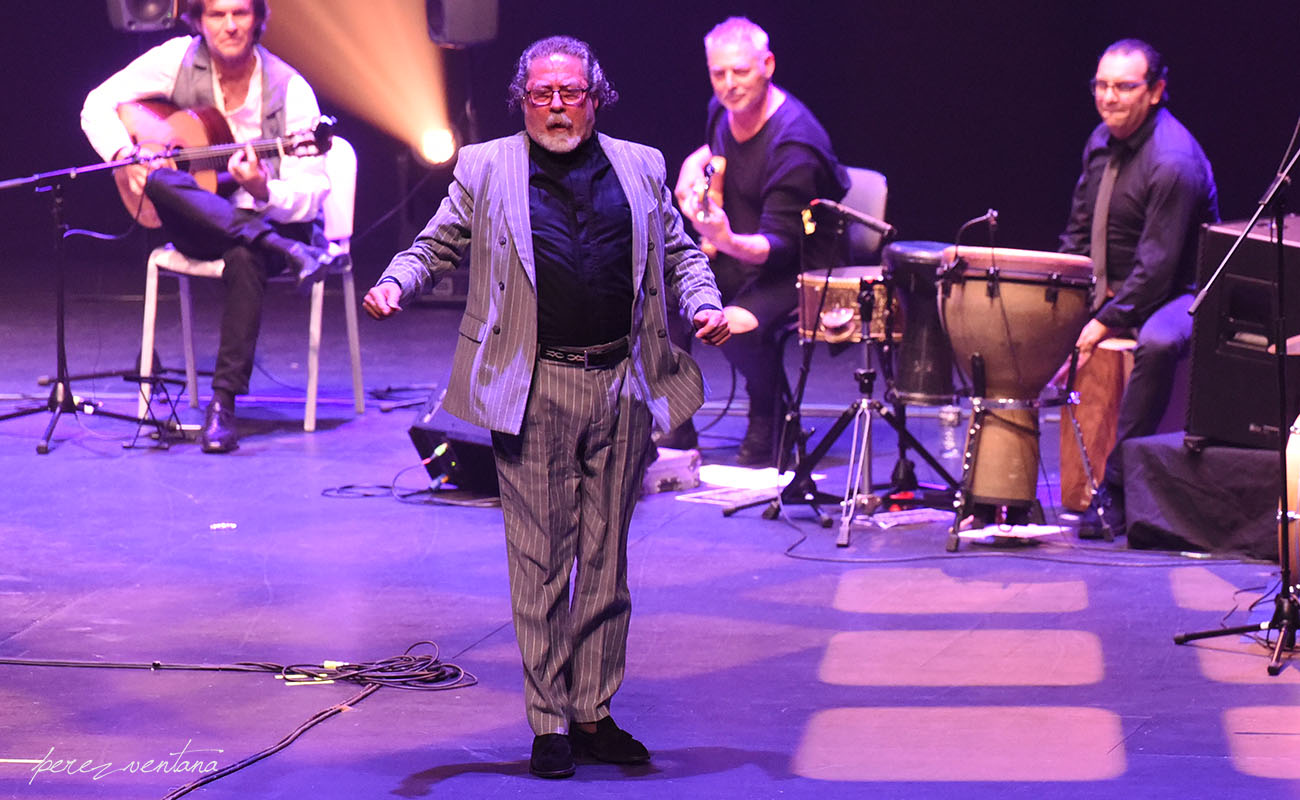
x=198 y=140
x=708 y=191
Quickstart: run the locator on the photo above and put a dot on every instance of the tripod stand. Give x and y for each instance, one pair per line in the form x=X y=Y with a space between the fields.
x=1286 y=609
x=62 y=400
x=802 y=489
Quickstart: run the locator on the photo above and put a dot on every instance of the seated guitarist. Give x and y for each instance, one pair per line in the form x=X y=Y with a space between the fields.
x=263 y=222
x=777 y=159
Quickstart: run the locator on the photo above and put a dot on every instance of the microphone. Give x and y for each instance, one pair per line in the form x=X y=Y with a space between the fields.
x=877 y=225
x=958 y=266
x=990 y=217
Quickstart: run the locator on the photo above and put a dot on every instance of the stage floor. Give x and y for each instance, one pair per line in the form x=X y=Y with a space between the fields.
x=764 y=660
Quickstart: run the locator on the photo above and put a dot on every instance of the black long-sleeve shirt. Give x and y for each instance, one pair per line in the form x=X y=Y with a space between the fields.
x=1163 y=193
x=582 y=246
x=769 y=179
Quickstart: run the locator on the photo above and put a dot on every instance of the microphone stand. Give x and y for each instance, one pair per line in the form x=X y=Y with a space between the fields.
x=793 y=440
x=62 y=400
x=1286 y=607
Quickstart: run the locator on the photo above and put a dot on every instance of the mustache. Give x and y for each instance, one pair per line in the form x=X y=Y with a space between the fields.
x=558 y=120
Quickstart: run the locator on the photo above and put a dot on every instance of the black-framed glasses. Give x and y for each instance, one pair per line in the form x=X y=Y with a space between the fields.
x=569 y=95
x=1121 y=87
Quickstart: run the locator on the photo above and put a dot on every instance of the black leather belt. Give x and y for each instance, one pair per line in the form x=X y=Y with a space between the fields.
x=595 y=357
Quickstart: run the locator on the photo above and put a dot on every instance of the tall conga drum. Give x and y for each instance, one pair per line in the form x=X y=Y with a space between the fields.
x=1292 y=546
x=1012 y=317
x=923 y=359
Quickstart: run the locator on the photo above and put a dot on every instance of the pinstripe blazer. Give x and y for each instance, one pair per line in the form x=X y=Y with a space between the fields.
x=485 y=218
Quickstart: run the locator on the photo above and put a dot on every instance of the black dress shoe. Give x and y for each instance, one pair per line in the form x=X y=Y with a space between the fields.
x=756 y=448
x=552 y=757
x=218 y=435
x=309 y=264
x=1104 y=517
x=609 y=743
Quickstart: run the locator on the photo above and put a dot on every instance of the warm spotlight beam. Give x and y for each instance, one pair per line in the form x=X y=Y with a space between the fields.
x=373 y=58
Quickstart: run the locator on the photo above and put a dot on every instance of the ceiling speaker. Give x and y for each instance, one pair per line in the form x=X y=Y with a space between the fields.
x=137 y=16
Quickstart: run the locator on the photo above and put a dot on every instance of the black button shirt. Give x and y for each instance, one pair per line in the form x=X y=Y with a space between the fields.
x=582 y=246
x=1163 y=193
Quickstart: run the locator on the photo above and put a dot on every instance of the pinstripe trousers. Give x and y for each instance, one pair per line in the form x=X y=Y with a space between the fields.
x=569 y=482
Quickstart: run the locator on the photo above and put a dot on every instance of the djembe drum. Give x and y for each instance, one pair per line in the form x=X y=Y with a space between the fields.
x=923 y=359
x=1012 y=317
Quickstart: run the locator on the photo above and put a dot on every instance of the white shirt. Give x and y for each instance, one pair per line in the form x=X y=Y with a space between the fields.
x=294 y=196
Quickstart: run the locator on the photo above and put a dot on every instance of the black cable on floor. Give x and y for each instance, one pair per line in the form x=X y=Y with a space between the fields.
x=412 y=671
x=316 y=719
x=427 y=496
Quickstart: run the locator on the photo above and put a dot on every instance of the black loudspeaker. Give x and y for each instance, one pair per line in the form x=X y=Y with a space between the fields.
x=461 y=23
x=138 y=16
x=1234 y=398
x=454 y=450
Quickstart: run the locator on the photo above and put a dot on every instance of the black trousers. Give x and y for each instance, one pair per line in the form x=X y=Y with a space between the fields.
x=207 y=226
x=1162 y=341
x=756 y=355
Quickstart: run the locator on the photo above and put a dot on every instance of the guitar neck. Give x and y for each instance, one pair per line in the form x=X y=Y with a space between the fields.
x=215 y=157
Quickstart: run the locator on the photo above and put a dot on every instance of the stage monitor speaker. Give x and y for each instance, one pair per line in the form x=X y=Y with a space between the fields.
x=456 y=451
x=139 y=16
x=461 y=23
x=1234 y=398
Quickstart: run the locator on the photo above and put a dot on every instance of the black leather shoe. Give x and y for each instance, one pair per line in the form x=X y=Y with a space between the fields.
x=309 y=264
x=552 y=757
x=1104 y=517
x=609 y=743
x=218 y=435
x=756 y=448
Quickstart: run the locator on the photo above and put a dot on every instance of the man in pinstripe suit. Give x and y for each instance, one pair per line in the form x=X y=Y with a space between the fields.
x=563 y=353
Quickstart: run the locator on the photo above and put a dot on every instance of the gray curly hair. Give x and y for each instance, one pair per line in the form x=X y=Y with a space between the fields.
x=599 y=88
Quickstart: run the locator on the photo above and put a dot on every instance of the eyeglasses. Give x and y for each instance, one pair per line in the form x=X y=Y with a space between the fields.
x=569 y=95
x=1120 y=87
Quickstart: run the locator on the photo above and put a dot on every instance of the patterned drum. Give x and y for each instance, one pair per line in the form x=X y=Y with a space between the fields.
x=849 y=293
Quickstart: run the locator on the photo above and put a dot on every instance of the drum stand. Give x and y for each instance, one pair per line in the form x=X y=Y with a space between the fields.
x=902 y=478
x=802 y=489
x=981 y=409
x=1286 y=605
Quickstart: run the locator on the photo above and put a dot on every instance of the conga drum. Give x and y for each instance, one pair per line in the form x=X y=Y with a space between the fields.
x=923 y=359
x=1292 y=482
x=1099 y=387
x=1012 y=317
x=831 y=307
